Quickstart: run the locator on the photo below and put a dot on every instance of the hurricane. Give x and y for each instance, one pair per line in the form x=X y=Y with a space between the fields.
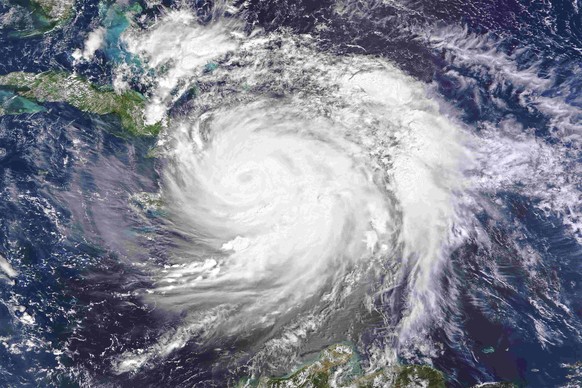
x=286 y=207
x=280 y=205
x=268 y=193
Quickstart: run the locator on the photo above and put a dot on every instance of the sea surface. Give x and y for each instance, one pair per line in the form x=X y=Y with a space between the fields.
x=401 y=175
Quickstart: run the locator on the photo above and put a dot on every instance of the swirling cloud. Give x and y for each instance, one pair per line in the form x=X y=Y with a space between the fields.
x=280 y=207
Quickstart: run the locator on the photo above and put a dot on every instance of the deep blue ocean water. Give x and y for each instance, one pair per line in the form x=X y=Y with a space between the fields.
x=54 y=212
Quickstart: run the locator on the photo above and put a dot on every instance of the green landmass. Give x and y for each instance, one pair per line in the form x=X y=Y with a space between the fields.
x=56 y=86
x=148 y=204
x=12 y=104
x=339 y=366
x=419 y=376
x=57 y=10
x=33 y=17
x=316 y=374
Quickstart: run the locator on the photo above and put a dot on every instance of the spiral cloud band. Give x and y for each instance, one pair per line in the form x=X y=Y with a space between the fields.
x=293 y=184
x=281 y=205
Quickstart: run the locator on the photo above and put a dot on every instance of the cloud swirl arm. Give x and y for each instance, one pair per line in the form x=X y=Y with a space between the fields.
x=282 y=205
x=293 y=189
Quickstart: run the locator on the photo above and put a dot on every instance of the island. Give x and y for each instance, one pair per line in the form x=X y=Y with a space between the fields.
x=60 y=86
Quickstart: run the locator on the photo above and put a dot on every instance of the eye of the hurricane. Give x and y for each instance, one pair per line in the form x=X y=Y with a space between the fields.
x=276 y=209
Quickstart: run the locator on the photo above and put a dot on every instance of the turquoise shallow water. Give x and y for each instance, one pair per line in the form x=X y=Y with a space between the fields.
x=14 y=104
x=509 y=73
